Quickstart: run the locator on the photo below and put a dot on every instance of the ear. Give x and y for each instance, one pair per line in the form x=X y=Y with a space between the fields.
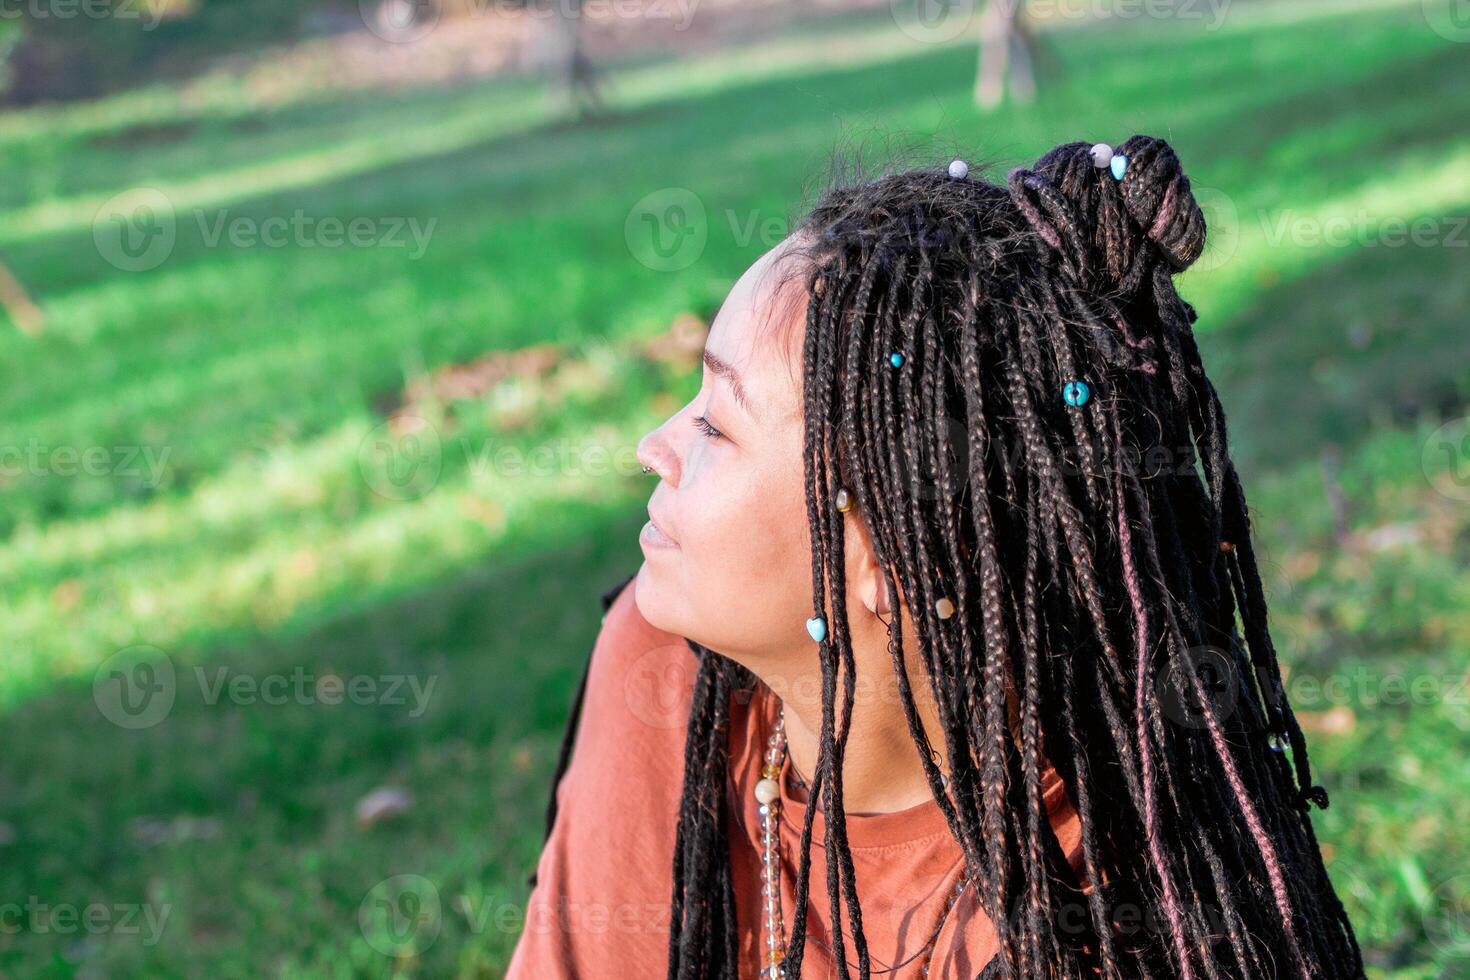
x=864 y=576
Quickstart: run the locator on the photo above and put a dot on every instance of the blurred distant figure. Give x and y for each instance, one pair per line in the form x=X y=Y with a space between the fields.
x=575 y=78
x=1005 y=44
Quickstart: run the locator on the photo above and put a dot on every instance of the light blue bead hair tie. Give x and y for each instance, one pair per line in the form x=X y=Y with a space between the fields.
x=1076 y=393
x=817 y=627
x=1104 y=156
x=896 y=359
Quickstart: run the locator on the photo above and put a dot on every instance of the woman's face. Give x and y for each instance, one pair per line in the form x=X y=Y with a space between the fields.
x=727 y=553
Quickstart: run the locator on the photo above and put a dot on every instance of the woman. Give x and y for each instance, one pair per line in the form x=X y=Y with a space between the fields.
x=950 y=563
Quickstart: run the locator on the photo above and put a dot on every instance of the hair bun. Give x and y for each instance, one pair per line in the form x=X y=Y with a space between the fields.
x=1105 y=227
x=1157 y=193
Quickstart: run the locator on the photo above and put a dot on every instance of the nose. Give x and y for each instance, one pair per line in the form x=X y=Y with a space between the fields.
x=656 y=453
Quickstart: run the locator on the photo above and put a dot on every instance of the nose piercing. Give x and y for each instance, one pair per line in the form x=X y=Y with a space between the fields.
x=647 y=469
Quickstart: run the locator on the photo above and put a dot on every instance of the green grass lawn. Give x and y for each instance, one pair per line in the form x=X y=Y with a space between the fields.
x=276 y=540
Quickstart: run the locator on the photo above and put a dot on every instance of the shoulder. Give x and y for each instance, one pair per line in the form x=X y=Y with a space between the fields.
x=604 y=869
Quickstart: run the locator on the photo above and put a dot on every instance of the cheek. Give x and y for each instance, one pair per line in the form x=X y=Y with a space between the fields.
x=746 y=559
x=748 y=526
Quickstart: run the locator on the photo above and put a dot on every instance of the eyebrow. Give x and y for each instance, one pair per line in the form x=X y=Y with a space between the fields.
x=727 y=371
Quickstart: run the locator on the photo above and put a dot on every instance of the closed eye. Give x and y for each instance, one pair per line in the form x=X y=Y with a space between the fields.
x=702 y=424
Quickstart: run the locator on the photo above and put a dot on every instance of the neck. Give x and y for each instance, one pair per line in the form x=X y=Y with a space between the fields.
x=882 y=771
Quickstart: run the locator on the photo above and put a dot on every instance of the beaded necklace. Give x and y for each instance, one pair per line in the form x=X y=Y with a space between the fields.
x=768 y=797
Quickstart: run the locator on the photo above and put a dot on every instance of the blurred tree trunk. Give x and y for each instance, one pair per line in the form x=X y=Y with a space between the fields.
x=26 y=314
x=1006 y=48
x=575 y=76
x=1337 y=499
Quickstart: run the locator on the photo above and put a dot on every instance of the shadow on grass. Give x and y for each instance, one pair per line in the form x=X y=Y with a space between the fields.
x=1376 y=338
x=470 y=681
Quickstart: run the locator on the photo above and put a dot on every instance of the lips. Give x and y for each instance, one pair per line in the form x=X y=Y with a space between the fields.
x=653 y=535
x=660 y=527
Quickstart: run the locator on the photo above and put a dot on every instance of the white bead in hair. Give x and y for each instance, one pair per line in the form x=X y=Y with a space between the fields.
x=958 y=169
x=1102 y=155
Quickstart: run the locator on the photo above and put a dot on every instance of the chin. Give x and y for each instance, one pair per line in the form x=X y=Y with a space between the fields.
x=651 y=599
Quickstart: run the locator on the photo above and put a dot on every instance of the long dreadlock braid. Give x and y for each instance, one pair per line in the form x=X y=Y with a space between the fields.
x=1095 y=596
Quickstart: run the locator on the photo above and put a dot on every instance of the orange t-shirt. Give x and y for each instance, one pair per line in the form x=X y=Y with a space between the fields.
x=601 y=907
